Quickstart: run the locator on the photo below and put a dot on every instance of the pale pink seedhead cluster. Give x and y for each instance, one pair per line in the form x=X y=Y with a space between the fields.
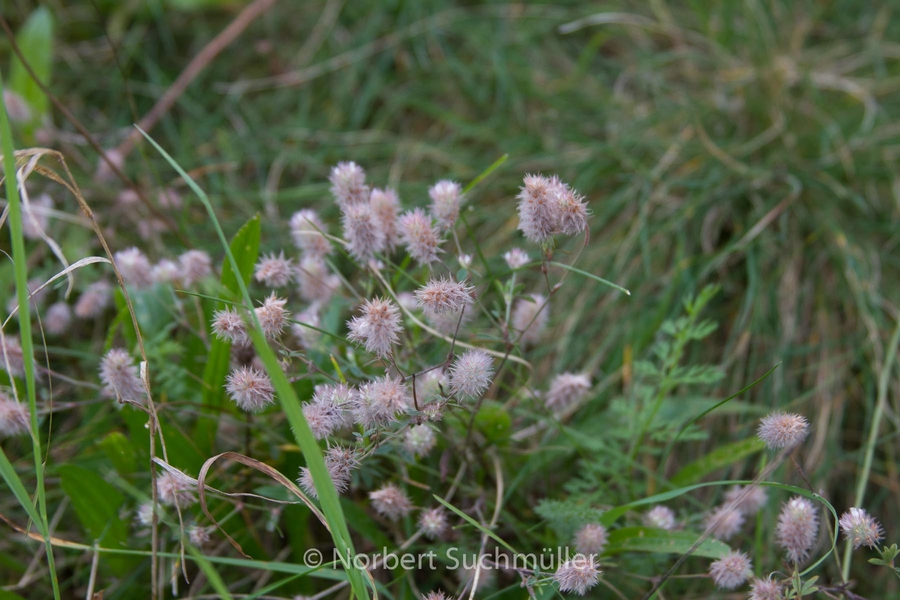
x=578 y=574
x=798 y=528
x=731 y=571
x=378 y=327
x=14 y=417
x=120 y=377
x=861 y=528
x=548 y=207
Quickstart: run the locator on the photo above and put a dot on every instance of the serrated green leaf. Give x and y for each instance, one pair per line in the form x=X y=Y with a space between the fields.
x=35 y=40
x=97 y=503
x=120 y=452
x=719 y=458
x=245 y=248
x=649 y=539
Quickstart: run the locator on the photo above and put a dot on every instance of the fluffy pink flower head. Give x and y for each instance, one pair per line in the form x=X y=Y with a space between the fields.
x=724 y=522
x=12 y=358
x=135 y=268
x=578 y=574
x=322 y=416
x=362 y=231
x=547 y=207
x=861 y=528
x=752 y=503
x=195 y=265
x=765 y=589
x=433 y=522
x=783 y=430
x=441 y=296
x=573 y=211
x=419 y=237
x=120 y=376
x=385 y=206
x=661 y=517
x=471 y=373
x=731 y=570
x=391 y=502
x=378 y=326
x=57 y=318
x=379 y=401
x=173 y=488
x=798 y=527
x=591 y=539
x=317 y=284
x=272 y=316
x=340 y=463
x=435 y=595
x=529 y=318
x=348 y=184
x=567 y=389
x=308 y=233
x=419 y=440
x=14 y=417
x=229 y=326
x=274 y=271
x=166 y=271
x=94 y=300
x=516 y=258
x=446 y=197
x=199 y=536
x=250 y=389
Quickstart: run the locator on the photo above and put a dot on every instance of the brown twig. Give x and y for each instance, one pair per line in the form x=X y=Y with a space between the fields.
x=197 y=64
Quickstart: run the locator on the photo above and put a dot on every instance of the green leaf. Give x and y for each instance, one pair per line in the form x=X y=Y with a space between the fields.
x=494 y=422
x=120 y=452
x=97 y=503
x=719 y=458
x=245 y=248
x=35 y=40
x=649 y=539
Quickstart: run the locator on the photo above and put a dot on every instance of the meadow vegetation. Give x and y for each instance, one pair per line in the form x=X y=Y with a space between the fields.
x=464 y=281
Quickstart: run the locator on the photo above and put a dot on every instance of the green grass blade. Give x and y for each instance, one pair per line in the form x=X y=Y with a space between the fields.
x=328 y=496
x=590 y=275
x=215 y=580
x=476 y=524
x=494 y=166
x=21 y=274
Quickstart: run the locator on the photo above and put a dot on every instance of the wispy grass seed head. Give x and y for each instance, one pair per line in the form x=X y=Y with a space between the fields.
x=731 y=570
